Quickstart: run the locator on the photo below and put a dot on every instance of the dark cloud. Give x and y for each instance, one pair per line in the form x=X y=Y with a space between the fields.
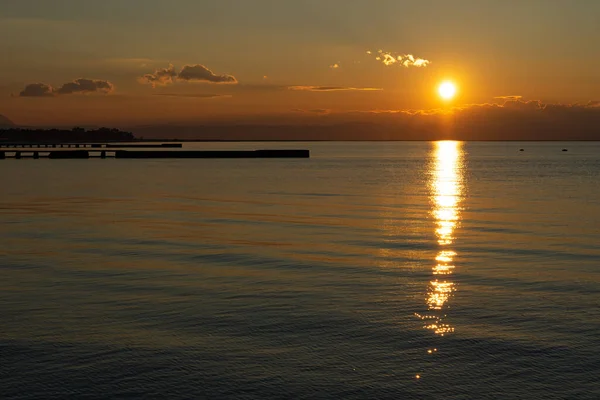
x=161 y=76
x=37 y=90
x=199 y=72
x=83 y=85
x=189 y=73
x=331 y=88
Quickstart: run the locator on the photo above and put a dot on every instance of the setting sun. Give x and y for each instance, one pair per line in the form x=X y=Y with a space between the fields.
x=447 y=90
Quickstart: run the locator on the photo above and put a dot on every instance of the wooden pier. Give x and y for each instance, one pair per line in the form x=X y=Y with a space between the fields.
x=148 y=154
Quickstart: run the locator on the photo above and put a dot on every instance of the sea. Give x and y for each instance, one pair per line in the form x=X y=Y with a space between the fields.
x=373 y=270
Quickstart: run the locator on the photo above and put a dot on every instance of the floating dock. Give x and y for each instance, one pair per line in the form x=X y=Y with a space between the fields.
x=85 y=154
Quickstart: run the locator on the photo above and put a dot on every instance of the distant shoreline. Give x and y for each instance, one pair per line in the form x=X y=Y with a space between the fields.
x=354 y=140
x=255 y=134
x=50 y=142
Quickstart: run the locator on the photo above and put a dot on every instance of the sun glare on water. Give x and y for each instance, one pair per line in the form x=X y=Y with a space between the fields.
x=447 y=90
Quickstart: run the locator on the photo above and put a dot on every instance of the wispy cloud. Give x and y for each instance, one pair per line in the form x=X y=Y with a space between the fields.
x=78 y=86
x=312 y=111
x=508 y=97
x=193 y=95
x=189 y=73
x=332 y=88
x=392 y=58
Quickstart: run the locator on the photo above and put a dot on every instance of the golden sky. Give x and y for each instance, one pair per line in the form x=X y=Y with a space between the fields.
x=185 y=61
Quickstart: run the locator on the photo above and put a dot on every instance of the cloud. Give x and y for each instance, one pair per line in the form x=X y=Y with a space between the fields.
x=80 y=85
x=419 y=62
x=510 y=120
x=405 y=60
x=194 y=95
x=199 y=72
x=331 y=88
x=312 y=111
x=508 y=97
x=83 y=85
x=189 y=73
x=518 y=104
x=160 y=77
x=37 y=90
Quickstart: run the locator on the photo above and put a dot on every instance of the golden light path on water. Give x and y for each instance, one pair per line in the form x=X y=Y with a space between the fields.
x=446 y=195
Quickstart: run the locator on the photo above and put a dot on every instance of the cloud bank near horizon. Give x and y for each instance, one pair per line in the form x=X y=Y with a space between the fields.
x=513 y=119
x=189 y=73
x=510 y=120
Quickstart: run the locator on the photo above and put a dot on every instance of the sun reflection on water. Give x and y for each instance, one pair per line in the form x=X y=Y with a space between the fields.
x=446 y=195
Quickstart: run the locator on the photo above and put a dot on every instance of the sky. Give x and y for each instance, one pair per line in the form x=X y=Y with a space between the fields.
x=116 y=62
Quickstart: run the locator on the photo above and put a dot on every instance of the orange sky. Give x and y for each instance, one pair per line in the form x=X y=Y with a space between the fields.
x=234 y=59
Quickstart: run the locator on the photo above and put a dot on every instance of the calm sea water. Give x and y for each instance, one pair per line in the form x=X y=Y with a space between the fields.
x=372 y=270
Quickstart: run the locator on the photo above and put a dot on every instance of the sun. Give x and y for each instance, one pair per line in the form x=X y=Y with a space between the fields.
x=447 y=90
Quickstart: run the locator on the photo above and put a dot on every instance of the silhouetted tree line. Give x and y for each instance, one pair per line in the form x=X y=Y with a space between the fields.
x=64 y=136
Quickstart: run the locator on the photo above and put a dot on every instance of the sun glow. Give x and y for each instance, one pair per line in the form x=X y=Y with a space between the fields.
x=447 y=90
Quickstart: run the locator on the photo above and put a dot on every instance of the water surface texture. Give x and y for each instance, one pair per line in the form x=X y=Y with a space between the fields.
x=398 y=270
